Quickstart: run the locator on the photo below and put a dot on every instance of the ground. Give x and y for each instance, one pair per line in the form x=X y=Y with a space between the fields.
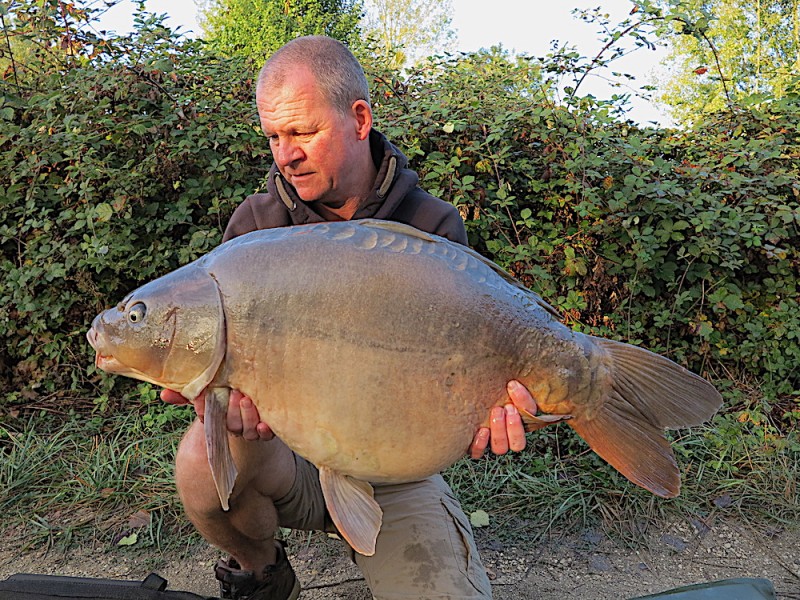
x=588 y=565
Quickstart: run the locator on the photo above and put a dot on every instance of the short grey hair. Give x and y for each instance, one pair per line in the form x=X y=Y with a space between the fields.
x=338 y=73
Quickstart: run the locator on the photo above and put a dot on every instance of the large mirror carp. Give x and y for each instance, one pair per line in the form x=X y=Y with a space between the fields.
x=310 y=321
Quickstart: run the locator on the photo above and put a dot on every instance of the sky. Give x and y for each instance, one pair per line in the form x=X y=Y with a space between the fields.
x=520 y=26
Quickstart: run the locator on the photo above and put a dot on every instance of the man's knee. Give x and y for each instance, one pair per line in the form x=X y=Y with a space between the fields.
x=192 y=455
x=192 y=472
x=265 y=468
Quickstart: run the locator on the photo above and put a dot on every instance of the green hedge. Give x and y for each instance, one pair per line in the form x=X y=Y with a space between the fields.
x=112 y=172
x=127 y=163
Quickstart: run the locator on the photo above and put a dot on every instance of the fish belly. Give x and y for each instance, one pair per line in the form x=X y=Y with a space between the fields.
x=377 y=357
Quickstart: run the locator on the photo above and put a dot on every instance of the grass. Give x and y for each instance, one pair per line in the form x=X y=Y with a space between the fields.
x=729 y=467
x=83 y=480
x=67 y=480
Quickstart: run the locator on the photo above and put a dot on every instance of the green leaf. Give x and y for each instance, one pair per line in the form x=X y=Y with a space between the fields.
x=479 y=518
x=103 y=211
x=705 y=329
x=129 y=540
x=734 y=301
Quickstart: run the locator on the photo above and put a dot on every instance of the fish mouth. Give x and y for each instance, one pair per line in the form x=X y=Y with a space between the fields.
x=92 y=336
x=106 y=362
x=110 y=364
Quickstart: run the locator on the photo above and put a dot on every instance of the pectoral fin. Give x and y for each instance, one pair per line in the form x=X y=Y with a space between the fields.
x=353 y=509
x=220 y=459
x=535 y=422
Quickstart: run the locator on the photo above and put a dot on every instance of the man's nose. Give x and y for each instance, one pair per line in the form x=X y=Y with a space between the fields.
x=288 y=152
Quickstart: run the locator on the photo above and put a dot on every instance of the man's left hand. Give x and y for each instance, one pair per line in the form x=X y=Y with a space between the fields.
x=506 y=431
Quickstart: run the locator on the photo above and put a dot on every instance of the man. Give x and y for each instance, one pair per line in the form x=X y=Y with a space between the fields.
x=313 y=103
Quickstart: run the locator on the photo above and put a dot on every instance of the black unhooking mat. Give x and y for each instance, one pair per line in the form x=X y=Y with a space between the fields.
x=24 y=586
x=741 y=588
x=154 y=587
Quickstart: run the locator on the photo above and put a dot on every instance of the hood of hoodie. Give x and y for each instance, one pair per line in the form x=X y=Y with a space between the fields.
x=393 y=181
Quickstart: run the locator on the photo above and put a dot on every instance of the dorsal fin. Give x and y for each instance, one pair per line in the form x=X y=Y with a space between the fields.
x=401 y=228
x=404 y=229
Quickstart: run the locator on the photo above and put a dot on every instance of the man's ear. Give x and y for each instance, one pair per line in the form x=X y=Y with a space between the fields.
x=362 y=113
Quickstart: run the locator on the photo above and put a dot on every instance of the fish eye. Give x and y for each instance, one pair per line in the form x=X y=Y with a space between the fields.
x=137 y=312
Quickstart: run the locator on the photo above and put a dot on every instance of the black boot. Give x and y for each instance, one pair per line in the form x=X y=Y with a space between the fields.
x=279 y=582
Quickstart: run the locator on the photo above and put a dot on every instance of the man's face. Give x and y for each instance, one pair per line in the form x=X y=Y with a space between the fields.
x=314 y=145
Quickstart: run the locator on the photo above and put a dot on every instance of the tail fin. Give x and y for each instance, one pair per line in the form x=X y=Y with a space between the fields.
x=648 y=394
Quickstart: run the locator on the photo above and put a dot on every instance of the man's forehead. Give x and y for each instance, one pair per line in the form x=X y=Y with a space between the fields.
x=291 y=107
x=294 y=89
x=299 y=77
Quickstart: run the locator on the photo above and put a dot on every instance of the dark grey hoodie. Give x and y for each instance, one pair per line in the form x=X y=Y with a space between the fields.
x=395 y=197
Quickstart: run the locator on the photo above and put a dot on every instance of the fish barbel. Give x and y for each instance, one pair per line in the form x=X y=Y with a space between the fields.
x=354 y=338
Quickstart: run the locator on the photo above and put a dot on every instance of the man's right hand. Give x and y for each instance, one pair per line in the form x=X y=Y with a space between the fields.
x=243 y=419
x=506 y=430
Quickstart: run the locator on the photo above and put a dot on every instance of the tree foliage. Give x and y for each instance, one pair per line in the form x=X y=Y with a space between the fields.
x=729 y=50
x=405 y=31
x=256 y=28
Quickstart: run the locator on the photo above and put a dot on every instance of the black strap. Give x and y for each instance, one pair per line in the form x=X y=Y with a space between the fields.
x=155 y=582
x=26 y=586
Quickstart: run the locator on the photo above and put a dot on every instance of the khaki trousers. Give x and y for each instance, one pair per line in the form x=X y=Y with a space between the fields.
x=425 y=548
